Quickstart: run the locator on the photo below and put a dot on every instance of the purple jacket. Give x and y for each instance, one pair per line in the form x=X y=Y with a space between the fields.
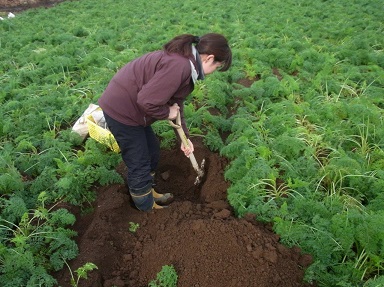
x=142 y=91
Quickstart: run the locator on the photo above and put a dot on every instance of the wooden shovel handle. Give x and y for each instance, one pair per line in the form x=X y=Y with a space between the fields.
x=184 y=140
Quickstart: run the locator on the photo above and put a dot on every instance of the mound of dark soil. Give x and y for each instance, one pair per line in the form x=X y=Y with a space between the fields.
x=198 y=234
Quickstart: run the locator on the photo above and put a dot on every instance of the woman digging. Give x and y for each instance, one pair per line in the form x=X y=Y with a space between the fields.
x=154 y=87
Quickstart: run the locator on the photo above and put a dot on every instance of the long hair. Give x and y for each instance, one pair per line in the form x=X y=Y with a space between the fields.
x=210 y=44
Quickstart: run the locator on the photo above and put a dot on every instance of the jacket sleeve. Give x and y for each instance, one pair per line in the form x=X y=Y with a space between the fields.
x=169 y=76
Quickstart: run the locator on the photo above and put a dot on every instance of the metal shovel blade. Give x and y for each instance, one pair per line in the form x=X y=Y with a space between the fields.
x=200 y=173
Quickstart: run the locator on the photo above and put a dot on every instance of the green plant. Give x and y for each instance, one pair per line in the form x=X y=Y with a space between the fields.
x=167 y=277
x=362 y=141
x=133 y=226
x=272 y=189
x=37 y=244
x=82 y=273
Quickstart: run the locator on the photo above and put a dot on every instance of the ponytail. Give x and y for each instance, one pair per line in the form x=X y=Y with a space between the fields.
x=181 y=45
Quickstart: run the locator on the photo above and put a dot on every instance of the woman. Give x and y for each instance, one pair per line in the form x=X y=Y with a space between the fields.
x=154 y=87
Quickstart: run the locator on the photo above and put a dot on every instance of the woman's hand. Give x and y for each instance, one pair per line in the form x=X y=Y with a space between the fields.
x=173 y=111
x=187 y=150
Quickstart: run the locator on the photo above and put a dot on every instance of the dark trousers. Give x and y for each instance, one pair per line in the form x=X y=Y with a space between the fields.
x=140 y=150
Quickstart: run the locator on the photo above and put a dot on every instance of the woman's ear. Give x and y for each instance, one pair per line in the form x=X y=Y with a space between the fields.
x=206 y=58
x=210 y=58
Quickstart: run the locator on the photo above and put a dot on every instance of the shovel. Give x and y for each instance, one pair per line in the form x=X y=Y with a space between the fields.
x=183 y=137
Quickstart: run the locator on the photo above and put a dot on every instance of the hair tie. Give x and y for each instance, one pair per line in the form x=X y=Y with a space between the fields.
x=196 y=39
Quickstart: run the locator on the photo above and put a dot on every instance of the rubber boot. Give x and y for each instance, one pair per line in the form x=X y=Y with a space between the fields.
x=156 y=206
x=143 y=198
x=161 y=198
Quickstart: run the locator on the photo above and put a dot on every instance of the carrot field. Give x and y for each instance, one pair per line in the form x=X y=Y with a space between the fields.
x=299 y=116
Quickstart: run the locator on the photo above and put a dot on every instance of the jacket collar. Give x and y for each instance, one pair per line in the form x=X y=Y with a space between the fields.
x=199 y=74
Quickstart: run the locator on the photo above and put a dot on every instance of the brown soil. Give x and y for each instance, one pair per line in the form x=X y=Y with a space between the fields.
x=198 y=234
x=20 y=5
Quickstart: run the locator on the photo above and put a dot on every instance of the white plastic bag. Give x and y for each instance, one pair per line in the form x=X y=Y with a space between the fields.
x=81 y=126
x=98 y=116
